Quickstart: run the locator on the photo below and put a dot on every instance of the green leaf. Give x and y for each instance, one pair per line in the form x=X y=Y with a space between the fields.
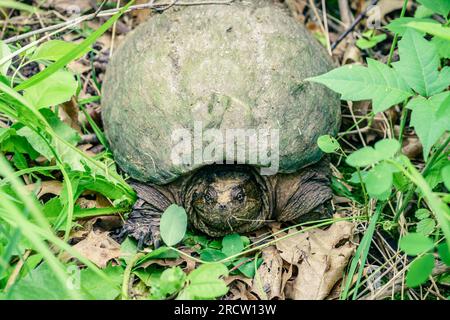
x=423 y=12
x=378 y=82
x=400 y=25
x=248 y=269
x=445 y=172
x=173 y=225
x=419 y=64
x=212 y=255
x=432 y=28
x=439 y=6
x=39 y=144
x=444 y=253
x=387 y=148
x=442 y=46
x=426 y=226
x=371 y=42
x=54 y=50
x=92 y=287
x=160 y=253
x=128 y=249
x=422 y=213
x=379 y=180
x=419 y=270
x=232 y=244
x=429 y=118
x=363 y=157
x=328 y=144
x=415 y=243
x=56 y=89
x=204 y=282
x=4 y=52
x=172 y=280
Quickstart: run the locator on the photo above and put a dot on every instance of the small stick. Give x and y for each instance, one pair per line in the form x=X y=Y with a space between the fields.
x=353 y=25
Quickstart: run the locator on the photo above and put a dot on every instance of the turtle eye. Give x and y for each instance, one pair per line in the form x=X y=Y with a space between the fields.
x=239 y=197
x=208 y=198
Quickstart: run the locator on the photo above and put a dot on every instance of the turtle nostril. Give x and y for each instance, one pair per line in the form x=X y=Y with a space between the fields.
x=222 y=206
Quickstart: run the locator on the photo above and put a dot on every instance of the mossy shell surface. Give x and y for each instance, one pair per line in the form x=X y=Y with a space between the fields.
x=241 y=66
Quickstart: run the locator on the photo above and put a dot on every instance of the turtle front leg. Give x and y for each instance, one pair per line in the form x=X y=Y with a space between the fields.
x=144 y=219
x=305 y=195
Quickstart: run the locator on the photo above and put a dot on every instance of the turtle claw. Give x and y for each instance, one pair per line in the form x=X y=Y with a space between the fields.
x=142 y=227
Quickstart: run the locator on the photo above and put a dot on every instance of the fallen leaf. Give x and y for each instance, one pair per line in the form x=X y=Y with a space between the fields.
x=45 y=187
x=320 y=256
x=269 y=276
x=98 y=247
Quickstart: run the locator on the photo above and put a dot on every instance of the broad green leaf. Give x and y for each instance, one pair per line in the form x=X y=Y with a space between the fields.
x=92 y=287
x=363 y=157
x=442 y=46
x=426 y=226
x=248 y=268
x=328 y=144
x=445 y=172
x=160 y=253
x=377 y=82
x=423 y=12
x=41 y=284
x=204 y=282
x=128 y=249
x=379 y=180
x=56 y=89
x=212 y=255
x=39 y=144
x=4 y=52
x=415 y=243
x=387 y=148
x=232 y=244
x=444 y=253
x=54 y=50
x=400 y=25
x=419 y=64
x=173 y=225
x=422 y=213
x=429 y=118
x=432 y=28
x=439 y=6
x=60 y=128
x=171 y=280
x=419 y=270
x=371 y=42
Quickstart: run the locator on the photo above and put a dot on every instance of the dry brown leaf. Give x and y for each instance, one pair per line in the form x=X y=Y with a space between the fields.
x=320 y=256
x=269 y=275
x=98 y=247
x=45 y=187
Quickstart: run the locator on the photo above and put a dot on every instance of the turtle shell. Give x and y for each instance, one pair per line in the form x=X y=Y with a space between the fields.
x=180 y=82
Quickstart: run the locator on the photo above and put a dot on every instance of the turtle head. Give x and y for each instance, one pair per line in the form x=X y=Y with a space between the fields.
x=225 y=198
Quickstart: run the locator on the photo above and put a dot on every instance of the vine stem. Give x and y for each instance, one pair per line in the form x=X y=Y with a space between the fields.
x=127 y=275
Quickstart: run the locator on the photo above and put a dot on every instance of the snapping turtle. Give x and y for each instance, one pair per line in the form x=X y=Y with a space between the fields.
x=181 y=82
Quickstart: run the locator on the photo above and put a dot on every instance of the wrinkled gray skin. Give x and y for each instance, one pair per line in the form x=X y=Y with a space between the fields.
x=237 y=66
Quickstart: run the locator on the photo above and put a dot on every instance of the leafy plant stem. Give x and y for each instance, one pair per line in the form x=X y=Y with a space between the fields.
x=394 y=41
x=439 y=208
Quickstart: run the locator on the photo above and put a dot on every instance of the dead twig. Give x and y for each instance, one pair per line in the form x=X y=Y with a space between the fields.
x=358 y=19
